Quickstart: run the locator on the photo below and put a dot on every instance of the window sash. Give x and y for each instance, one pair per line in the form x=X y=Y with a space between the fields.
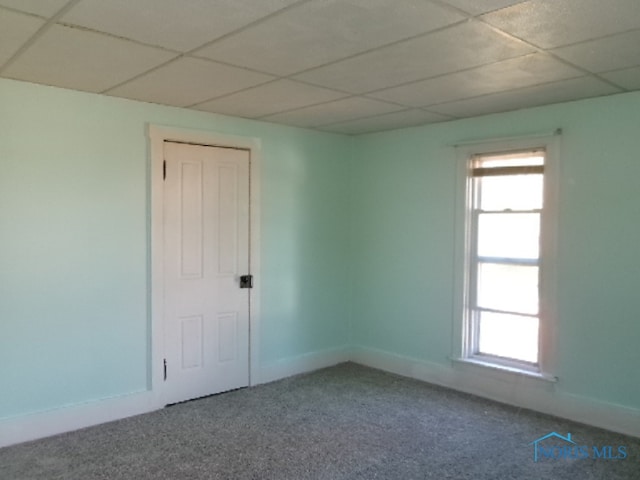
x=476 y=173
x=524 y=262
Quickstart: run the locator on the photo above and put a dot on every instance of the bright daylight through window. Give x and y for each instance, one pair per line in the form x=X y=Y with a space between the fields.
x=505 y=205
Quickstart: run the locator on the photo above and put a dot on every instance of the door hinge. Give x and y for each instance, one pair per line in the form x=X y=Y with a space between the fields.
x=165 y=369
x=164 y=169
x=246 y=281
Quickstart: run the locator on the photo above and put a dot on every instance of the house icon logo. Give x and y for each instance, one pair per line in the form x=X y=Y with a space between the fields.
x=554 y=446
x=537 y=441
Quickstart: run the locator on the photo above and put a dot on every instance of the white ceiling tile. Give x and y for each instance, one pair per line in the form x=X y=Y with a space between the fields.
x=400 y=55
x=609 y=53
x=464 y=46
x=387 y=121
x=321 y=31
x=188 y=81
x=15 y=29
x=505 y=75
x=46 y=8
x=271 y=98
x=173 y=24
x=333 y=112
x=563 y=91
x=628 y=78
x=83 y=60
x=476 y=7
x=554 y=23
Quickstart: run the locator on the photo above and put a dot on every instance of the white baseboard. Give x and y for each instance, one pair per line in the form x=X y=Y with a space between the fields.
x=516 y=390
x=24 y=428
x=535 y=394
x=28 y=427
x=303 y=364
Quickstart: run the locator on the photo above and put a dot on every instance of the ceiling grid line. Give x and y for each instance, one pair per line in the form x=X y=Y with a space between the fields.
x=47 y=25
x=191 y=53
x=548 y=51
x=350 y=66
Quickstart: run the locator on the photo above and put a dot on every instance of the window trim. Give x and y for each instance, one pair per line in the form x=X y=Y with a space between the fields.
x=461 y=329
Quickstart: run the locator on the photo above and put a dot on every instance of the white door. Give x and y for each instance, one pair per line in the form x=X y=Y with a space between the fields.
x=206 y=250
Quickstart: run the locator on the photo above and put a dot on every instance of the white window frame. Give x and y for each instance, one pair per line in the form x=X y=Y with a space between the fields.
x=462 y=324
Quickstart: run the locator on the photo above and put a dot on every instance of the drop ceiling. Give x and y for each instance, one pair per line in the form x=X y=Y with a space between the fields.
x=346 y=66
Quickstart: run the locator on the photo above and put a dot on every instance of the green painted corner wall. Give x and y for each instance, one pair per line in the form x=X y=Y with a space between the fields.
x=357 y=241
x=403 y=199
x=73 y=249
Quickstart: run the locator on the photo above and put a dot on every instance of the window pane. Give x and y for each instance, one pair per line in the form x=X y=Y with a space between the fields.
x=509 y=336
x=515 y=192
x=509 y=235
x=512 y=288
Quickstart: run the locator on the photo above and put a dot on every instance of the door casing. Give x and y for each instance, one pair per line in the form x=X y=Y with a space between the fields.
x=157 y=135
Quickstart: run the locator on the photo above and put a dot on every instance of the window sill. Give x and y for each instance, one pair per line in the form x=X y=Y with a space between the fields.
x=509 y=370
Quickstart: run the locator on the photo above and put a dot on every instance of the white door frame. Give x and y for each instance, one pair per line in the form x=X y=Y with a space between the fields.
x=157 y=135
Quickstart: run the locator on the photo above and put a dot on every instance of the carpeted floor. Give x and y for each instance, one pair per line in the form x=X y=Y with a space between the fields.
x=344 y=422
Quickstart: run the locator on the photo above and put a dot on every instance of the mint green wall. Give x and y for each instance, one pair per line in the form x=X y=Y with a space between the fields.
x=403 y=234
x=357 y=241
x=73 y=247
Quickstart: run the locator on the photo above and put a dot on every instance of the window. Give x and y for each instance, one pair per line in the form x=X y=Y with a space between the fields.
x=507 y=273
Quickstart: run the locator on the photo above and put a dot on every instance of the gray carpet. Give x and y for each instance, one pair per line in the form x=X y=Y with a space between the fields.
x=345 y=422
